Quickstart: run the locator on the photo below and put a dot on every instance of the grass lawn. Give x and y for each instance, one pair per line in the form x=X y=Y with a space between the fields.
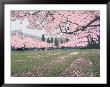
x=56 y=63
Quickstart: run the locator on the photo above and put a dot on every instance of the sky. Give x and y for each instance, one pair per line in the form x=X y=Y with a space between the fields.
x=15 y=25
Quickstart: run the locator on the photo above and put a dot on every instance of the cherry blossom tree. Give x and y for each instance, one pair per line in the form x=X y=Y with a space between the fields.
x=81 y=27
x=27 y=43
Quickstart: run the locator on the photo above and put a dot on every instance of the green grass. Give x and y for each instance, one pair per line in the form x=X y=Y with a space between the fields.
x=55 y=63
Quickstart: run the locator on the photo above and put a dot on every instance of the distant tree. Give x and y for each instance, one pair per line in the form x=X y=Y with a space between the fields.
x=43 y=37
x=51 y=40
x=61 y=41
x=93 y=44
x=56 y=42
x=48 y=40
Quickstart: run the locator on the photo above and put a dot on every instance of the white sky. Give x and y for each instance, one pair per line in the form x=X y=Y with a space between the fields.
x=15 y=25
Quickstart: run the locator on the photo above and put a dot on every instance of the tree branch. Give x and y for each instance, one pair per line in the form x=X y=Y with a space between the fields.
x=83 y=27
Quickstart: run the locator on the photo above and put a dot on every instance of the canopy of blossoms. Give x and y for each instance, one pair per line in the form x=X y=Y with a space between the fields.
x=80 y=26
x=17 y=42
